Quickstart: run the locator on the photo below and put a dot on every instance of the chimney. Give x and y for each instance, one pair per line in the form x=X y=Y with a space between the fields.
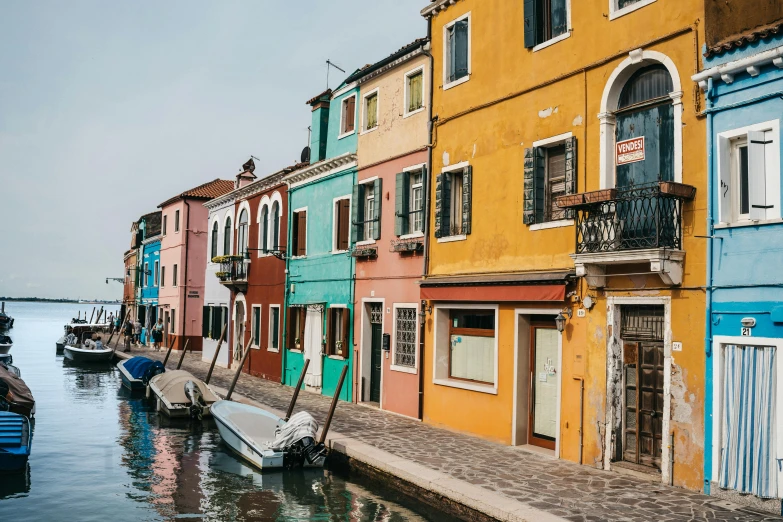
x=246 y=177
x=320 y=127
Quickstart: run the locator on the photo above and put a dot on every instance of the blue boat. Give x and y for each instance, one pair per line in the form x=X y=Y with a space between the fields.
x=136 y=372
x=16 y=439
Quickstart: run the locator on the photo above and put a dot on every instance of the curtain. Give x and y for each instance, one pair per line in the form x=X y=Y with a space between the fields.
x=372 y=112
x=415 y=92
x=747 y=462
x=473 y=358
x=313 y=348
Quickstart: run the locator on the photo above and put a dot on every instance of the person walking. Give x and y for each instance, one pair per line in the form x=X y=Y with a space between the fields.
x=157 y=334
x=137 y=332
x=128 y=335
x=110 y=322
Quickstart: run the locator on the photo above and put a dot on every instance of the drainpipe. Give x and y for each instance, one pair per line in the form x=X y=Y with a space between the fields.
x=288 y=229
x=708 y=314
x=185 y=302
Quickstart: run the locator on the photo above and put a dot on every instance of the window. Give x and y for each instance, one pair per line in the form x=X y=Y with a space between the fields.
x=409 y=202
x=227 y=233
x=749 y=166
x=366 y=212
x=348 y=115
x=274 y=328
x=275 y=226
x=165 y=222
x=337 y=331
x=176 y=221
x=242 y=233
x=299 y=234
x=213 y=321
x=371 y=111
x=146 y=274
x=550 y=172
x=472 y=345
x=618 y=8
x=214 y=250
x=256 y=326
x=173 y=320
x=342 y=229
x=174 y=276
x=206 y=320
x=264 y=229
x=405 y=325
x=453 y=195
x=155 y=274
x=296 y=327
x=162 y=276
x=545 y=20
x=457 y=51
x=414 y=91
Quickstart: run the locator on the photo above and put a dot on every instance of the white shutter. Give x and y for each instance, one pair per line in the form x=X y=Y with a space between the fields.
x=757 y=190
x=772 y=171
x=724 y=180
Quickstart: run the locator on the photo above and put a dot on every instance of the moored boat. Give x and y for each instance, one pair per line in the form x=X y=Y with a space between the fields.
x=179 y=394
x=84 y=354
x=6 y=358
x=16 y=439
x=5 y=344
x=76 y=333
x=6 y=321
x=137 y=372
x=15 y=396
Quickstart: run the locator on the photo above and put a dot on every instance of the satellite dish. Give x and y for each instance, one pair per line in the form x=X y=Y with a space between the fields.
x=305 y=158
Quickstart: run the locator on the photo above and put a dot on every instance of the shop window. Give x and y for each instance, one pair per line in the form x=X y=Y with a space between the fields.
x=472 y=345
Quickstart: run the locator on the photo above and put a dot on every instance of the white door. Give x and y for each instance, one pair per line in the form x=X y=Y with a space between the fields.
x=313 y=347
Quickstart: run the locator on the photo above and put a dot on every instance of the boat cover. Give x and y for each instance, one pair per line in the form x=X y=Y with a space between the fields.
x=18 y=393
x=137 y=367
x=172 y=387
x=298 y=427
x=14 y=433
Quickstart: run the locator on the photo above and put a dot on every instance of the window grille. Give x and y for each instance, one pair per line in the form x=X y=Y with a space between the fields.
x=642 y=323
x=376 y=313
x=405 y=338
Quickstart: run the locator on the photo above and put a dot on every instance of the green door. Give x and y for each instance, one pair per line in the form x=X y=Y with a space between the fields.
x=376 y=361
x=656 y=125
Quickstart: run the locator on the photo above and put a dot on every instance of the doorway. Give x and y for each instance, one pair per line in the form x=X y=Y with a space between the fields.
x=239 y=331
x=313 y=348
x=544 y=365
x=376 y=351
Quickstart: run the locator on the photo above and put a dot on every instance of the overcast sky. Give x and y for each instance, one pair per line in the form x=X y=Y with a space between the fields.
x=109 y=108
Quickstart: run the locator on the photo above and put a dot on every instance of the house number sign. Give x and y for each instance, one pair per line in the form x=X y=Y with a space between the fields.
x=630 y=151
x=746 y=331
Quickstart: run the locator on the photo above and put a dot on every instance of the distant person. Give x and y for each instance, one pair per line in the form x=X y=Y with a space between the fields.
x=137 y=332
x=98 y=343
x=128 y=335
x=157 y=334
x=110 y=321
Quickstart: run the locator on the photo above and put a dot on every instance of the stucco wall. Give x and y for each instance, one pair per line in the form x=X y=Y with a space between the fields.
x=336 y=146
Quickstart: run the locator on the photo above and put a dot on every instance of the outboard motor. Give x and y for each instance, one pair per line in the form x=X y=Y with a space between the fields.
x=305 y=451
x=197 y=403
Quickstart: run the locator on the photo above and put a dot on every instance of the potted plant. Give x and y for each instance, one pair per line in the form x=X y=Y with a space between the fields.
x=597 y=196
x=339 y=346
x=571 y=200
x=679 y=190
x=223 y=276
x=297 y=344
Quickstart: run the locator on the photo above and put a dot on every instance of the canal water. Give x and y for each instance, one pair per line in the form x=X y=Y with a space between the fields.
x=99 y=454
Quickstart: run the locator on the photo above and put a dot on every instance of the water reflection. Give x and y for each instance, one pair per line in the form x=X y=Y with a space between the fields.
x=15 y=485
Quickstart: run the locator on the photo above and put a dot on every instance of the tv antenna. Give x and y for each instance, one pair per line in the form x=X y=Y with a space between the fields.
x=330 y=64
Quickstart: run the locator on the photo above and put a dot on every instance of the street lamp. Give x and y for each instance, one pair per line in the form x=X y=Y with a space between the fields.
x=560 y=320
x=279 y=254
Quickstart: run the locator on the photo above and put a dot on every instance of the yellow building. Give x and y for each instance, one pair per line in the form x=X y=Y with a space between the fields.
x=565 y=147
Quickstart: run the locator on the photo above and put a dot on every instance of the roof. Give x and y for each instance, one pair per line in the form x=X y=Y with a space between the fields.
x=418 y=43
x=327 y=94
x=742 y=39
x=256 y=186
x=210 y=190
x=153 y=220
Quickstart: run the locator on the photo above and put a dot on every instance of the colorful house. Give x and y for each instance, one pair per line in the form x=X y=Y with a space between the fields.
x=149 y=269
x=319 y=283
x=742 y=82
x=564 y=286
x=183 y=263
x=387 y=233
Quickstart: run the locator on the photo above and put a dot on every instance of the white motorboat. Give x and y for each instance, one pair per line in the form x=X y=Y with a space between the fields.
x=267 y=441
x=179 y=394
x=84 y=354
x=79 y=332
x=5 y=344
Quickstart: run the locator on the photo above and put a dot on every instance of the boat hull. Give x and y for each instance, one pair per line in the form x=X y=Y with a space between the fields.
x=15 y=442
x=5 y=348
x=87 y=356
x=131 y=383
x=260 y=458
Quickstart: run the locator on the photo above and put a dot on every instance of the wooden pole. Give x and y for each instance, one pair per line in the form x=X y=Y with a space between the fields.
x=184 y=351
x=296 y=391
x=239 y=370
x=91 y=315
x=167 y=354
x=78 y=315
x=214 y=357
x=333 y=406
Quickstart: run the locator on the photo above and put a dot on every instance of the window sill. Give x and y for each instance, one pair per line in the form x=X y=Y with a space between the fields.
x=617 y=13
x=367 y=131
x=299 y=257
x=345 y=135
x=337 y=252
x=336 y=357
x=552 y=224
x=255 y=347
x=409 y=114
x=365 y=242
x=741 y=224
x=453 y=383
x=451 y=239
x=403 y=369
x=447 y=86
x=294 y=350
x=273 y=350
x=552 y=41
x=414 y=235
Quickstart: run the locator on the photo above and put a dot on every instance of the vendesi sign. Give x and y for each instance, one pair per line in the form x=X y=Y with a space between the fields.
x=630 y=151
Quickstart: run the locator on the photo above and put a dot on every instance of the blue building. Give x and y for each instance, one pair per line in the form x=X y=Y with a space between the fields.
x=149 y=270
x=319 y=290
x=742 y=82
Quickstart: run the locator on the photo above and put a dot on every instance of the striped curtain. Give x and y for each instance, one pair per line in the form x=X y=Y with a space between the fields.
x=372 y=111
x=415 y=93
x=748 y=462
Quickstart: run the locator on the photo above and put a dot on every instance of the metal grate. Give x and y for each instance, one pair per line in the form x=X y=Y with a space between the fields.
x=376 y=313
x=642 y=323
x=405 y=335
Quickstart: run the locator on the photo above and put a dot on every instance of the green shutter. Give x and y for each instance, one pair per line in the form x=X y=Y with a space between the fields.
x=439 y=204
x=376 y=216
x=257 y=326
x=205 y=314
x=401 y=191
x=445 y=220
x=467 y=203
x=530 y=23
x=357 y=213
x=540 y=184
x=571 y=185
x=529 y=192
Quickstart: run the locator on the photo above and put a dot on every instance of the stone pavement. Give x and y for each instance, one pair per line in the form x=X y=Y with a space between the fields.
x=557 y=487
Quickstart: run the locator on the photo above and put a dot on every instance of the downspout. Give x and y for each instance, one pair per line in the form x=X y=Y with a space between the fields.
x=286 y=304
x=708 y=314
x=185 y=302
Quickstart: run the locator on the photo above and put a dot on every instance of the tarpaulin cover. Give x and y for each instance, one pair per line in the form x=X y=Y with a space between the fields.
x=20 y=396
x=138 y=366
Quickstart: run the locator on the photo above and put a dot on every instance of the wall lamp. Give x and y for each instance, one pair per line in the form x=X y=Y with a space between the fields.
x=425 y=309
x=279 y=254
x=118 y=279
x=560 y=320
x=145 y=272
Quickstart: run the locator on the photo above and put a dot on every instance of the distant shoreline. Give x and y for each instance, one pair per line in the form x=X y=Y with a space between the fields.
x=45 y=300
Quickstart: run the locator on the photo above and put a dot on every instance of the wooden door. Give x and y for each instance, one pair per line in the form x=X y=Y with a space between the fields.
x=643 y=399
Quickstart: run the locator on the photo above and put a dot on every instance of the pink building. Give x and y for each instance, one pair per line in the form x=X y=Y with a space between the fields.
x=183 y=262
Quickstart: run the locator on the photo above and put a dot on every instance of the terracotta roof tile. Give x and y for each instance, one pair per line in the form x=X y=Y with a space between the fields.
x=327 y=92
x=740 y=40
x=210 y=190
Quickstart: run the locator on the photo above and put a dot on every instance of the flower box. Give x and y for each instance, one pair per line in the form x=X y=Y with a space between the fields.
x=679 y=190
x=598 y=196
x=571 y=200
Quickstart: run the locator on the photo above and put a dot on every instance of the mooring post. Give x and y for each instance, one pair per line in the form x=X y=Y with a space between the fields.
x=91 y=315
x=239 y=370
x=167 y=354
x=296 y=390
x=214 y=357
x=333 y=406
x=184 y=351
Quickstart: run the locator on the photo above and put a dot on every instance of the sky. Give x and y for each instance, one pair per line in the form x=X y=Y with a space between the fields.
x=107 y=109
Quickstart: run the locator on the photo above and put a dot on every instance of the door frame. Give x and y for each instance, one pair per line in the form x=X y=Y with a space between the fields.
x=515 y=439
x=240 y=298
x=614 y=381
x=364 y=367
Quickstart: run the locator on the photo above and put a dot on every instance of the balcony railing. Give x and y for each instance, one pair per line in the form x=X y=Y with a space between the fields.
x=233 y=271
x=637 y=218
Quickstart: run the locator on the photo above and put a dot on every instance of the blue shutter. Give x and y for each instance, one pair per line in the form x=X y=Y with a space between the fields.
x=530 y=23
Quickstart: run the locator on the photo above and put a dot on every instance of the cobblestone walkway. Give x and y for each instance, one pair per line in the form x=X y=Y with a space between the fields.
x=562 y=488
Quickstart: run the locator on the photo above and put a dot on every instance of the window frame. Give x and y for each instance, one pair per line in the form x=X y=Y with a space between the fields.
x=330 y=350
x=256 y=335
x=174 y=275
x=335 y=230
x=155 y=274
x=164 y=226
x=263 y=230
x=412 y=170
x=406 y=94
x=451 y=170
x=145 y=274
x=559 y=38
x=344 y=133
x=546 y=143
x=367 y=213
x=162 y=276
x=214 y=240
x=291 y=342
x=270 y=337
x=616 y=12
x=275 y=230
x=173 y=321
x=295 y=218
x=446 y=83
x=395 y=367
x=227 y=227
x=365 y=114
x=176 y=221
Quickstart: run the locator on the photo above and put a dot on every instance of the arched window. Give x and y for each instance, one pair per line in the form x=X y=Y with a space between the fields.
x=227 y=238
x=242 y=233
x=264 y=228
x=646 y=112
x=276 y=226
x=214 y=250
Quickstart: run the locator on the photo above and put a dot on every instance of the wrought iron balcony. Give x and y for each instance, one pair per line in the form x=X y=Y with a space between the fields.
x=634 y=225
x=233 y=272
